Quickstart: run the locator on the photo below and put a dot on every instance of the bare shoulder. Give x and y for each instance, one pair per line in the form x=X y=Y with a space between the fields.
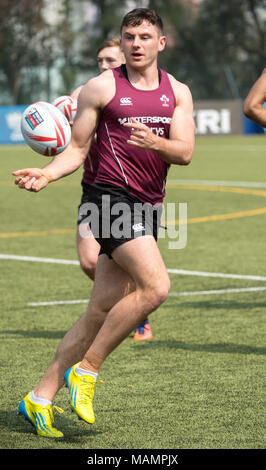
x=99 y=90
x=181 y=90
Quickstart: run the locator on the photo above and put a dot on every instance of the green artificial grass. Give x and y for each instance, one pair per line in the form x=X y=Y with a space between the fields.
x=200 y=383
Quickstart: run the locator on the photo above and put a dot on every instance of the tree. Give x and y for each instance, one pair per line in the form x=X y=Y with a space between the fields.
x=218 y=48
x=222 y=51
x=21 y=34
x=107 y=15
x=67 y=36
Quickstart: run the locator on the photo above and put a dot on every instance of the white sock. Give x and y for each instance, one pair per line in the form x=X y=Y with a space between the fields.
x=80 y=371
x=38 y=400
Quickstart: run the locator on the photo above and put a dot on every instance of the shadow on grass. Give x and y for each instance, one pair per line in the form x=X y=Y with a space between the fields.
x=210 y=304
x=225 y=348
x=73 y=429
x=46 y=334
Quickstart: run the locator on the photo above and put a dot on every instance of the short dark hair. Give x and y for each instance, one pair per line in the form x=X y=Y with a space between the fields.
x=138 y=15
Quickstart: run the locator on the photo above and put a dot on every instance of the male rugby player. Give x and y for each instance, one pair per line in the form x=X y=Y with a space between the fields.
x=109 y=55
x=144 y=123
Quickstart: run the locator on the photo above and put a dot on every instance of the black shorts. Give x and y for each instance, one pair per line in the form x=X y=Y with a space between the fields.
x=115 y=216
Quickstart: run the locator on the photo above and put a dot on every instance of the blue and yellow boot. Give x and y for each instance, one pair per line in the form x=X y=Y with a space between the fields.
x=81 y=389
x=40 y=417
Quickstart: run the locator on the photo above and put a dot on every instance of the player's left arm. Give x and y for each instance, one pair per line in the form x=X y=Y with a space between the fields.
x=178 y=149
x=253 y=104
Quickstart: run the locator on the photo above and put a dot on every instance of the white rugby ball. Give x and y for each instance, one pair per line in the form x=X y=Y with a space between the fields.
x=67 y=106
x=45 y=129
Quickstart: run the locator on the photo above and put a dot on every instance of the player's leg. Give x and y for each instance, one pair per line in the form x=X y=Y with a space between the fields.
x=88 y=250
x=125 y=292
x=36 y=407
x=111 y=283
x=140 y=258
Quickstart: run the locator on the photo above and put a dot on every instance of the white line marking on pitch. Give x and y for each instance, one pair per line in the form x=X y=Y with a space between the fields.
x=172 y=294
x=171 y=271
x=222 y=275
x=58 y=302
x=218 y=291
x=39 y=260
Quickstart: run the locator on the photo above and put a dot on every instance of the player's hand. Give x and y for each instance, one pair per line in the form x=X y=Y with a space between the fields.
x=141 y=135
x=32 y=179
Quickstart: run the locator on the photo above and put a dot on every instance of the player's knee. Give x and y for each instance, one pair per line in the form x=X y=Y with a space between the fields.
x=89 y=267
x=158 y=292
x=163 y=291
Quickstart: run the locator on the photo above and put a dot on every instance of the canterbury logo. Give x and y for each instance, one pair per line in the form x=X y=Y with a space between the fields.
x=138 y=227
x=127 y=101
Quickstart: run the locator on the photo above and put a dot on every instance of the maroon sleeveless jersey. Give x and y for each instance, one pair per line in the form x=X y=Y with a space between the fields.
x=141 y=172
x=91 y=165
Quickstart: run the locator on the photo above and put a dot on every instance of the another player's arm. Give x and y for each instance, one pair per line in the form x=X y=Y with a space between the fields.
x=178 y=149
x=76 y=92
x=74 y=95
x=65 y=163
x=253 y=104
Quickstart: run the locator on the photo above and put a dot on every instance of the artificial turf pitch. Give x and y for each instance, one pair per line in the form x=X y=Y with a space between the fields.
x=200 y=383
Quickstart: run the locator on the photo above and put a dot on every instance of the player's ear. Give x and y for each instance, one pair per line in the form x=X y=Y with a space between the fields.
x=162 y=43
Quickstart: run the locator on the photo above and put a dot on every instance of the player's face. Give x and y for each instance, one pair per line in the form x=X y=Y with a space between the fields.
x=109 y=57
x=141 y=44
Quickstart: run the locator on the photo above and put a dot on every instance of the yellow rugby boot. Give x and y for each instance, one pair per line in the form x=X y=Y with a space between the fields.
x=40 y=417
x=81 y=389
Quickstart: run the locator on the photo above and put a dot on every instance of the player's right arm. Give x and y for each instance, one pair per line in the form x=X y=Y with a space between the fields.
x=86 y=120
x=253 y=104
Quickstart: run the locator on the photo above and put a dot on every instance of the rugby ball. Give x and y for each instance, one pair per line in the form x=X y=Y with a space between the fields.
x=67 y=106
x=45 y=129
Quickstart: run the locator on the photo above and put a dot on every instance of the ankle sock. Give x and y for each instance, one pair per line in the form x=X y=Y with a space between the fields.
x=81 y=371
x=38 y=400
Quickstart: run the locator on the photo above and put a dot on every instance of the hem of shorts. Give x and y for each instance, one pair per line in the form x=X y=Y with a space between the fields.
x=122 y=242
